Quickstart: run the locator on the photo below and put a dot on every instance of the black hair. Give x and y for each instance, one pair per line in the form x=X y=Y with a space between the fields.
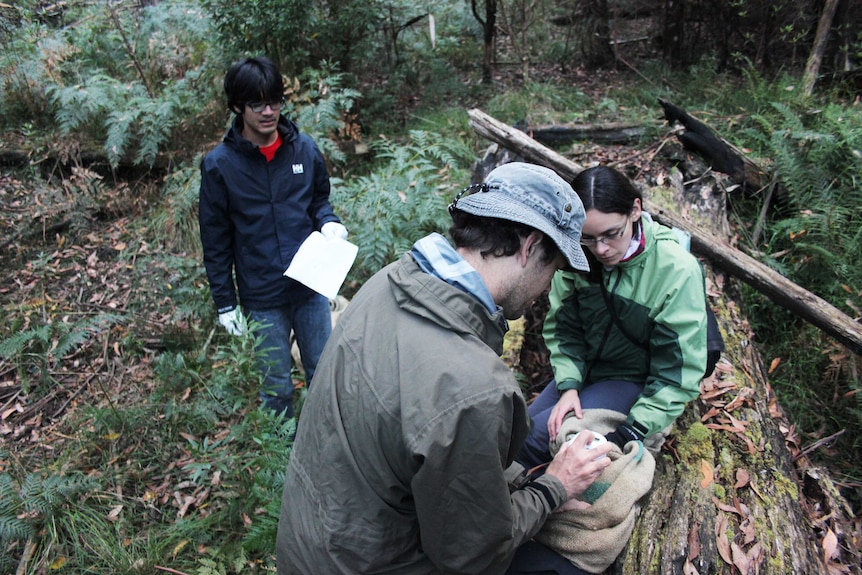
x=494 y=236
x=252 y=80
x=605 y=189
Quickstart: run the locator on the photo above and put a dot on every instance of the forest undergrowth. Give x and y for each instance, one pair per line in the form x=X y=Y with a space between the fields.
x=130 y=420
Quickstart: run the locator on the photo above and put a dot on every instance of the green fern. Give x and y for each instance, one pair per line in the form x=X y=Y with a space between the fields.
x=817 y=156
x=320 y=107
x=20 y=341
x=403 y=199
x=87 y=103
x=26 y=507
x=175 y=222
x=12 y=527
x=41 y=348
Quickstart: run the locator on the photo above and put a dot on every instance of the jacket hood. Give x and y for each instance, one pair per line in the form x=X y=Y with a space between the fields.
x=431 y=298
x=233 y=138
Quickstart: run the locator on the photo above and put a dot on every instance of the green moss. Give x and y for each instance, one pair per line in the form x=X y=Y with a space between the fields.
x=784 y=486
x=661 y=196
x=695 y=444
x=727 y=464
x=719 y=491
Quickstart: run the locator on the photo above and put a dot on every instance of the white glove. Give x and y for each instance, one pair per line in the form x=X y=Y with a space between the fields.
x=333 y=230
x=232 y=321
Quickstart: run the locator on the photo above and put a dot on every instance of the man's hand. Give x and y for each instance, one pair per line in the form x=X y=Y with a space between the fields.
x=334 y=230
x=577 y=468
x=569 y=401
x=232 y=321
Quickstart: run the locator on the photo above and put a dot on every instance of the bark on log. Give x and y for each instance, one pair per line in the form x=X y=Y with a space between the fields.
x=779 y=289
x=726 y=496
x=612 y=133
x=721 y=155
x=732 y=493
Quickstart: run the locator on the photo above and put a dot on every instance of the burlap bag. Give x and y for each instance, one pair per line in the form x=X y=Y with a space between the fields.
x=592 y=538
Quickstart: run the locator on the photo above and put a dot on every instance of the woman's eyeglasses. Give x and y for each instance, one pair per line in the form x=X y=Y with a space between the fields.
x=606 y=238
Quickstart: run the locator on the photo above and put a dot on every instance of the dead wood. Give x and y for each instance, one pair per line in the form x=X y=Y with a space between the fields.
x=721 y=155
x=772 y=284
x=733 y=492
x=611 y=133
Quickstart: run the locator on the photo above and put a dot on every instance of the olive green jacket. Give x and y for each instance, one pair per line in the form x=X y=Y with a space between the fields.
x=410 y=424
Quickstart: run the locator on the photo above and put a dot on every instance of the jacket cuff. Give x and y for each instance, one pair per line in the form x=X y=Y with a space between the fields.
x=551 y=490
x=637 y=426
x=568 y=384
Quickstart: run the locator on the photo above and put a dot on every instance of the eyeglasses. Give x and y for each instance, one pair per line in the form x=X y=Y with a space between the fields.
x=258 y=107
x=606 y=238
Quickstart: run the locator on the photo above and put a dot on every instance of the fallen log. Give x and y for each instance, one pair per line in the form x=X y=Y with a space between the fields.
x=724 y=157
x=721 y=155
x=613 y=133
x=733 y=491
x=772 y=284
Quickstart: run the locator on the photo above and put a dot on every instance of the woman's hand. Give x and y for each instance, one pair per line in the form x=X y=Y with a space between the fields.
x=569 y=401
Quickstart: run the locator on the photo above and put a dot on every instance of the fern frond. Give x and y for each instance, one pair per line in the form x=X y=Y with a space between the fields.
x=18 y=343
x=119 y=124
x=87 y=103
x=156 y=126
x=81 y=331
x=13 y=529
x=10 y=502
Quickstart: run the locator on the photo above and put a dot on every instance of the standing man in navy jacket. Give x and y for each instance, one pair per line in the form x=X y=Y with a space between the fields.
x=264 y=189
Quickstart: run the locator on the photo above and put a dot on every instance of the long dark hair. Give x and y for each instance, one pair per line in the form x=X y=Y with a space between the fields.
x=605 y=189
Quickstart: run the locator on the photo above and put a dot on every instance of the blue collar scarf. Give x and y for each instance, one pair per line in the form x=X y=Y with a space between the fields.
x=437 y=257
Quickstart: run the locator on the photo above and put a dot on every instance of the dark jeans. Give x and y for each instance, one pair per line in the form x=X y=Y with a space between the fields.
x=311 y=321
x=536 y=559
x=611 y=394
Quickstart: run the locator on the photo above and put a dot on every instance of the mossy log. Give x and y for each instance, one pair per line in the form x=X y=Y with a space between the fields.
x=727 y=496
x=733 y=493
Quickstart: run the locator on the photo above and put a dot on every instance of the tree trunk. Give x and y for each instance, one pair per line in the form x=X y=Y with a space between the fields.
x=489 y=28
x=726 y=493
x=732 y=491
x=673 y=45
x=812 y=68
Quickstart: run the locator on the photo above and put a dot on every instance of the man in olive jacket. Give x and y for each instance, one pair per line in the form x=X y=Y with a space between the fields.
x=400 y=461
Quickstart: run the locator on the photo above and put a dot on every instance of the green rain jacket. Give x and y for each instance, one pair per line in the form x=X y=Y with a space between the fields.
x=660 y=299
x=410 y=424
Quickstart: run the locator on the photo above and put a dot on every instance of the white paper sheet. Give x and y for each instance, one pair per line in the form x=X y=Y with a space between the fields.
x=322 y=263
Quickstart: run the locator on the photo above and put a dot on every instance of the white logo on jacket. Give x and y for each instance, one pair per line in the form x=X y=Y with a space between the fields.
x=298 y=169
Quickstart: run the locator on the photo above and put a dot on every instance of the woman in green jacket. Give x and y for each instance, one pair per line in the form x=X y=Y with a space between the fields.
x=629 y=335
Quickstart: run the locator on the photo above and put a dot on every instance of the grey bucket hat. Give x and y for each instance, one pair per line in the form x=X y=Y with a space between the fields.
x=534 y=196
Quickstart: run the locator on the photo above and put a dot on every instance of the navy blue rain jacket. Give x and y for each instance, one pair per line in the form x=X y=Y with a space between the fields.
x=255 y=214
